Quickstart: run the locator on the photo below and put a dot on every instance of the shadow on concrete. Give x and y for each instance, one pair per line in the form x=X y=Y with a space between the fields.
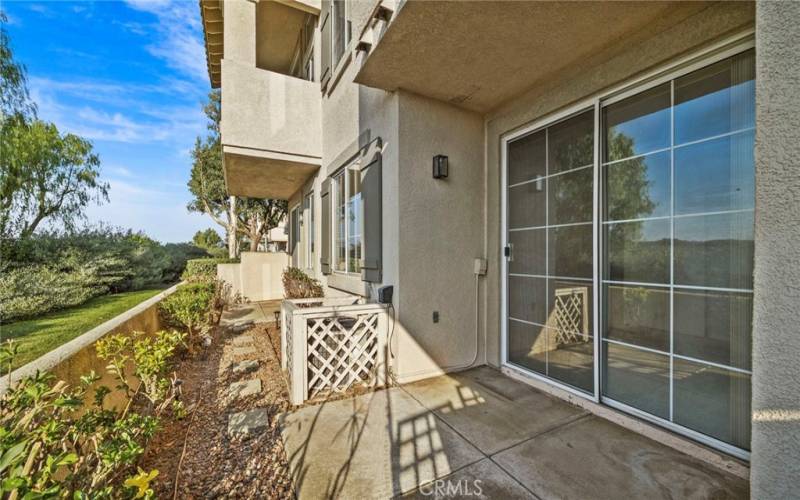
x=479 y=433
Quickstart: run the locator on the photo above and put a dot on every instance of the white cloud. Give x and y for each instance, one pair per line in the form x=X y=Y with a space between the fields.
x=178 y=37
x=96 y=117
x=118 y=170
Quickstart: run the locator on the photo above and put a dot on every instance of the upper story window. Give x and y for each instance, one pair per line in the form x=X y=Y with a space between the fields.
x=308 y=208
x=340 y=29
x=348 y=216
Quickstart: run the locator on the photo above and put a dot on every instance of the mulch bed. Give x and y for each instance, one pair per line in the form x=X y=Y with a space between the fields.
x=214 y=464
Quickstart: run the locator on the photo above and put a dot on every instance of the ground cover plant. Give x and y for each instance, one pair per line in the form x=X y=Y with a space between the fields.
x=62 y=441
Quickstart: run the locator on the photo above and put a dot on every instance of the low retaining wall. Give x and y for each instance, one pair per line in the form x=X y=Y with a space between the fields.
x=258 y=276
x=78 y=357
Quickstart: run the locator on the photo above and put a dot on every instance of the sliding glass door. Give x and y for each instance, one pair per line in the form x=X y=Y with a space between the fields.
x=678 y=177
x=671 y=249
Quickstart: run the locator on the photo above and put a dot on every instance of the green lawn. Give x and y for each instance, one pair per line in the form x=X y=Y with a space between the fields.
x=40 y=335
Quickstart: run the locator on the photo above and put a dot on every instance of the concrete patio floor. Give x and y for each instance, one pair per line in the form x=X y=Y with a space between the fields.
x=483 y=435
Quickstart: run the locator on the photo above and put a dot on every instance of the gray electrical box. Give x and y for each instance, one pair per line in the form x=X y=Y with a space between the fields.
x=480 y=267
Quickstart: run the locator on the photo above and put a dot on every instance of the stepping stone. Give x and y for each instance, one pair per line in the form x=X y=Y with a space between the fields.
x=250 y=365
x=241 y=327
x=244 y=388
x=243 y=351
x=244 y=339
x=248 y=422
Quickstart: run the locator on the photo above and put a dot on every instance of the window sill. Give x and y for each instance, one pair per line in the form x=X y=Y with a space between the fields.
x=350 y=283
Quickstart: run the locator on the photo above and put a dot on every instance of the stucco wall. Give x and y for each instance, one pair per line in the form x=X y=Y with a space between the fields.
x=651 y=47
x=257 y=276
x=440 y=235
x=240 y=37
x=775 y=471
x=352 y=117
x=269 y=111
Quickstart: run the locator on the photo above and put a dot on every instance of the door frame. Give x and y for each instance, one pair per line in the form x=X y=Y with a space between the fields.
x=723 y=49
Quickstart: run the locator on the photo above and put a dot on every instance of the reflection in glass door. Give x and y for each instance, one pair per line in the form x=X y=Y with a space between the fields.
x=678 y=177
x=550 y=271
x=674 y=239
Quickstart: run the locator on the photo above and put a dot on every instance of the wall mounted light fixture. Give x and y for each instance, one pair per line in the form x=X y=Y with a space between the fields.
x=440 y=167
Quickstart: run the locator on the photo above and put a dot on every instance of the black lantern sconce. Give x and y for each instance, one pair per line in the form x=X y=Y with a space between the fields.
x=440 y=167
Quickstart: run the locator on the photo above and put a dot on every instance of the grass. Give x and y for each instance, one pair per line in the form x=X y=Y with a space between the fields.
x=43 y=334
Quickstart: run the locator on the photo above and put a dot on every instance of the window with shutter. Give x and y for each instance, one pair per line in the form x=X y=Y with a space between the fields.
x=326 y=48
x=372 y=237
x=325 y=228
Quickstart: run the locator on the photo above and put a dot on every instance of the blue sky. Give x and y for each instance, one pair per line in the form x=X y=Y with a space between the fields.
x=131 y=77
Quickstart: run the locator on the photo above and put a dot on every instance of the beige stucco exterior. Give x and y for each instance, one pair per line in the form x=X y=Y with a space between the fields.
x=257 y=276
x=424 y=86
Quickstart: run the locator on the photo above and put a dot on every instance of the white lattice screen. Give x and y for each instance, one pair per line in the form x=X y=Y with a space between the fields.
x=342 y=352
x=333 y=348
x=571 y=315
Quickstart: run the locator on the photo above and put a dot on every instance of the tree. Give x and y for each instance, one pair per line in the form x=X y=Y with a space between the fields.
x=208 y=239
x=249 y=217
x=14 y=99
x=258 y=216
x=207 y=181
x=43 y=174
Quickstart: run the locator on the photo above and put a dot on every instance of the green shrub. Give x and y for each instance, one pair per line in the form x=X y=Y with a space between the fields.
x=61 y=442
x=37 y=289
x=189 y=307
x=204 y=269
x=299 y=285
x=51 y=271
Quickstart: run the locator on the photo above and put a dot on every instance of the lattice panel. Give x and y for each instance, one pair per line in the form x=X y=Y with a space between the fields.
x=571 y=315
x=342 y=352
x=289 y=342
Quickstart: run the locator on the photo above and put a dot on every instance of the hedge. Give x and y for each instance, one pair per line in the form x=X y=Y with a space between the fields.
x=204 y=269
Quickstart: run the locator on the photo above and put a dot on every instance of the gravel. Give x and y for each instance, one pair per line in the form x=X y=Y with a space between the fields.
x=217 y=465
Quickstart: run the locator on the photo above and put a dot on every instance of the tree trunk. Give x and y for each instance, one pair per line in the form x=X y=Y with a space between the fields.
x=232 y=236
x=254 y=241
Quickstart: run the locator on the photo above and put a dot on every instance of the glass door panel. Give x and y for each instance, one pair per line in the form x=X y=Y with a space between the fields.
x=550 y=272
x=678 y=198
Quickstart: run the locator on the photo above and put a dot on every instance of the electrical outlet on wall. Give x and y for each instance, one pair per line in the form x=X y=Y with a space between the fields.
x=435 y=316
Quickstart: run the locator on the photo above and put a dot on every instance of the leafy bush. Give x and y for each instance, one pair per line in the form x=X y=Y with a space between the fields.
x=56 y=441
x=37 y=289
x=51 y=271
x=299 y=285
x=190 y=307
x=204 y=270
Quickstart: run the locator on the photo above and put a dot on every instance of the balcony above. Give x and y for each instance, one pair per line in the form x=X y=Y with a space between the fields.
x=271 y=131
x=478 y=55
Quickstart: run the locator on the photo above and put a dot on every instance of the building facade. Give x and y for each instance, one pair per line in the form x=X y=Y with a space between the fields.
x=598 y=198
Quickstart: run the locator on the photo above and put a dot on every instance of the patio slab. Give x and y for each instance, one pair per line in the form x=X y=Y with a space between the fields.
x=482 y=425
x=594 y=458
x=376 y=445
x=484 y=479
x=475 y=402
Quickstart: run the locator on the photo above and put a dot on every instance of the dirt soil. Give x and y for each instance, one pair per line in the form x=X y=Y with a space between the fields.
x=216 y=465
